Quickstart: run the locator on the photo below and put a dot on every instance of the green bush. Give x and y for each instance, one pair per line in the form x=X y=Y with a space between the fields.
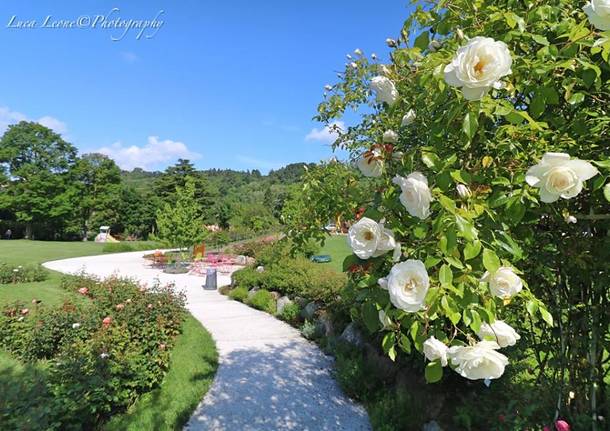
x=100 y=354
x=21 y=273
x=247 y=277
x=239 y=294
x=123 y=247
x=263 y=300
x=291 y=312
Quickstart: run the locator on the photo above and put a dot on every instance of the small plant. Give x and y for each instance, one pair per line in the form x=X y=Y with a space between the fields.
x=239 y=294
x=291 y=312
x=263 y=300
x=21 y=273
x=309 y=330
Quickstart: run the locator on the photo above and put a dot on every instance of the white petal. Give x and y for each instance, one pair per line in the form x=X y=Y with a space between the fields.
x=554 y=158
x=474 y=93
x=583 y=169
x=450 y=77
x=548 y=197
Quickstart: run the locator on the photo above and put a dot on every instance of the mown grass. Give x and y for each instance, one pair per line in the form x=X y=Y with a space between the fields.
x=193 y=359
x=336 y=246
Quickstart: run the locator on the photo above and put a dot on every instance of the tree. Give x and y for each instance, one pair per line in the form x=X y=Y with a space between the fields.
x=38 y=162
x=179 y=223
x=95 y=186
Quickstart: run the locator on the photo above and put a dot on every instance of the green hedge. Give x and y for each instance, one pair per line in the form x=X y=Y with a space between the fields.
x=21 y=273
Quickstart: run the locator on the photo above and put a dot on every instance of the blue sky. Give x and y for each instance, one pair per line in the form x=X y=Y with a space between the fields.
x=230 y=84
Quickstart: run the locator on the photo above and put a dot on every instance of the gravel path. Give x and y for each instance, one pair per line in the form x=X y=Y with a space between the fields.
x=268 y=378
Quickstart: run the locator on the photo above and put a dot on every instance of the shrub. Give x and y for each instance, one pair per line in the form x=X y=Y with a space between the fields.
x=21 y=273
x=309 y=330
x=100 y=354
x=247 y=277
x=291 y=312
x=263 y=300
x=121 y=247
x=239 y=294
x=224 y=290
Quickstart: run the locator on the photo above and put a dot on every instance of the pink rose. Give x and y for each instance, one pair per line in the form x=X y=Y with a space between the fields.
x=562 y=425
x=24 y=311
x=162 y=346
x=83 y=291
x=149 y=306
x=119 y=307
x=107 y=321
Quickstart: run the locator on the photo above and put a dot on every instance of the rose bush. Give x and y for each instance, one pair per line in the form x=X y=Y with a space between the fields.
x=495 y=185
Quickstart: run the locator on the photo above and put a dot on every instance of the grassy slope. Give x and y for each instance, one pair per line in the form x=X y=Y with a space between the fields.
x=162 y=409
x=336 y=246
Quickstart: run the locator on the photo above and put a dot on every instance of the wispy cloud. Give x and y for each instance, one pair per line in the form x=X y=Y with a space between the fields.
x=153 y=154
x=255 y=163
x=328 y=134
x=8 y=117
x=129 y=57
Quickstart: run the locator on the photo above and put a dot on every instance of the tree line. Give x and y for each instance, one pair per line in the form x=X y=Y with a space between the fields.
x=49 y=191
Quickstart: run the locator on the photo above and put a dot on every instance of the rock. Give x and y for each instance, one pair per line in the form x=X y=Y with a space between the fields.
x=326 y=325
x=380 y=363
x=252 y=291
x=431 y=426
x=352 y=335
x=309 y=311
x=281 y=303
x=302 y=302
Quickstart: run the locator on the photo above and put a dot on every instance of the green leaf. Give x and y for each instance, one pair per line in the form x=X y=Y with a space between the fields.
x=470 y=125
x=466 y=228
x=472 y=250
x=370 y=316
x=546 y=316
x=491 y=262
x=389 y=339
x=405 y=343
x=576 y=98
x=434 y=372
x=422 y=40
x=445 y=275
x=542 y=40
x=531 y=307
x=431 y=160
x=607 y=192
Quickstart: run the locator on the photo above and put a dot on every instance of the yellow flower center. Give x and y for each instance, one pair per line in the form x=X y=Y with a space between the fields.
x=368 y=235
x=478 y=68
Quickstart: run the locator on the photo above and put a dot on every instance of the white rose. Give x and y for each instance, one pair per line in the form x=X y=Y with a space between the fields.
x=384 y=89
x=598 y=12
x=363 y=237
x=480 y=361
x=354 y=65
x=463 y=191
x=390 y=136
x=500 y=332
x=391 y=42
x=75 y=325
x=408 y=118
x=559 y=176
x=386 y=242
x=328 y=87
x=370 y=164
x=357 y=51
x=374 y=56
x=415 y=195
x=408 y=284
x=435 y=349
x=478 y=66
x=503 y=283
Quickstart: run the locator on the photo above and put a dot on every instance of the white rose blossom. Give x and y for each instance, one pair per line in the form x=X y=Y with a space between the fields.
x=390 y=137
x=408 y=285
x=477 y=362
x=415 y=194
x=363 y=237
x=357 y=51
x=384 y=89
x=557 y=175
x=435 y=349
x=598 y=12
x=408 y=118
x=463 y=191
x=478 y=67
x=503 y=283
x=371 y=164
x=500 y=332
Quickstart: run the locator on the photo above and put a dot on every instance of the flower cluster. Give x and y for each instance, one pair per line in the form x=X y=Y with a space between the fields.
x=477 y=68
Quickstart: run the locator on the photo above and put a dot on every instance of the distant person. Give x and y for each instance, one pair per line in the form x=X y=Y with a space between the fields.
x=8 y=234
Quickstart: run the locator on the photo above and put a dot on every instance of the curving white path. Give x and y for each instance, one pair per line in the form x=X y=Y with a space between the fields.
x=268 y=378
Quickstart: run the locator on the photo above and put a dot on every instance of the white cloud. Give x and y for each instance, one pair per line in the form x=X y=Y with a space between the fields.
x=149 y=156
x=254 y=163
x=8 y=117
x=328 y=134
x=53 y=123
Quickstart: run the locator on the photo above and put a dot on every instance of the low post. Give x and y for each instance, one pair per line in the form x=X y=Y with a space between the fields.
x=211 y=280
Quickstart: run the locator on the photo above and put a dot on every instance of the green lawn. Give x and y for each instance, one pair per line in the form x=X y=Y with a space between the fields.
x=336 y=246
x=193 y=359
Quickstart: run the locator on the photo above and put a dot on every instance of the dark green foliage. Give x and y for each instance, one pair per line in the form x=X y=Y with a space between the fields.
x=120 y=247
x=263 y=300
x=94 y=369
